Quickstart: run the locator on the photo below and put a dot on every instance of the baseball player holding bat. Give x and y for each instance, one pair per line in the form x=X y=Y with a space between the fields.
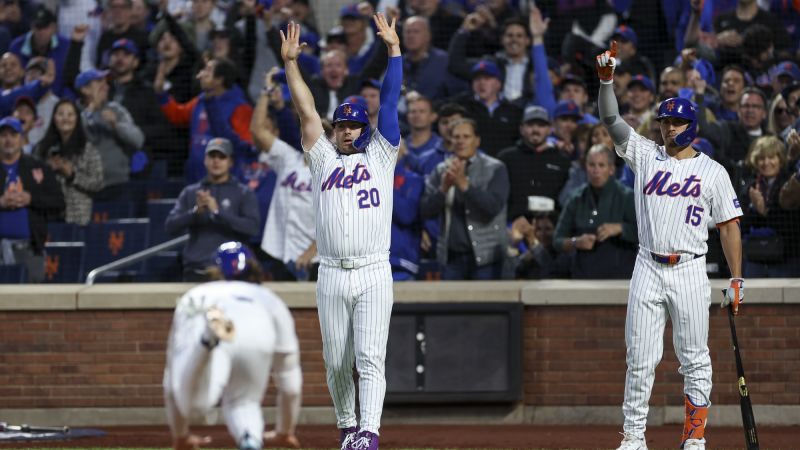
x=677 y=192
x=352 y=185
x=225 y=339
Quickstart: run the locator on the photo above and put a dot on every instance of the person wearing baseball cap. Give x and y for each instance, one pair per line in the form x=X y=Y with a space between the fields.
x=498 y=119
x=627 y=46
x=573 y=88
x=112 y=130
x=361 y=44
x=215 y=210
x=641 y=96
x=29 y=197
x=370 y=92
x=43 y=40
x=535 y=167
x=783 y=74
x=566 y=117
x=121 y=18
x=25 y=112
x=37 y=70
x=128 y=88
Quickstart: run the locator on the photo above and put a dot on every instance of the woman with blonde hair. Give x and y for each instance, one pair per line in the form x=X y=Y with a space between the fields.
x=770 y=232
x=778 y=115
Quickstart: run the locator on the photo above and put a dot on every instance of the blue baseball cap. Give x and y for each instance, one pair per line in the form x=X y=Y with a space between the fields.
x=127 y=45
x=706 y=70
x=703 y=146
x=642 y=80
x=87 y=76
x=372 y=83
x=486 y=67
x=356 y=99
x=567 y=108
x=350 y=11
x=571 y=78
x=11 y=122
x=626 y=33
x=784 y=68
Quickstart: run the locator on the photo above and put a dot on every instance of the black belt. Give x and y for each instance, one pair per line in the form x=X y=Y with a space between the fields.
x=671 y=260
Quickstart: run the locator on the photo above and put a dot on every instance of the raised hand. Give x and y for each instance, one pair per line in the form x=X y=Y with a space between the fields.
x=291 y=47
x=537 y=25
x=606 y=62
x=387 y=32
x=79 y=32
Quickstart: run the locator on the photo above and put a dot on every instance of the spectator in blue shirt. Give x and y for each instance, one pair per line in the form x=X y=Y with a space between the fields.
x=406 y=224
x=423 y=64
x=43 y=40
x=421 y=117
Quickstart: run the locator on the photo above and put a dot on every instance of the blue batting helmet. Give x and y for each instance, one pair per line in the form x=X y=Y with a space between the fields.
x=232 y=259
x=682 y=109
x=354 y=112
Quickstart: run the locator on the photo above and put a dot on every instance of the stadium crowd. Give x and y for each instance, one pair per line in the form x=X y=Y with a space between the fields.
x=504 y=171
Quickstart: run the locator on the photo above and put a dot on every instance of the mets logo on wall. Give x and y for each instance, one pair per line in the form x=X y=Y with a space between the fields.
x=116 y=241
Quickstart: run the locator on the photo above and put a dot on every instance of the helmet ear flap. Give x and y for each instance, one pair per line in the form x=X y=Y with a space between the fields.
x=688 y=135
x=361 y=141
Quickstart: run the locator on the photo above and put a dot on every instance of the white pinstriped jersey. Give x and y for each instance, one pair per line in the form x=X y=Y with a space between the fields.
x=353 y=197
x=289 y=229
x=677 y=199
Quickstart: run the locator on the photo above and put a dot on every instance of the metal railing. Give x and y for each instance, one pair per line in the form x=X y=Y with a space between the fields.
x=136 y=257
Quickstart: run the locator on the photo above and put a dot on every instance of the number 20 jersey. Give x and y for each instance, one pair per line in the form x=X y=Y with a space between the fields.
x=353 y=197
x=676 y=200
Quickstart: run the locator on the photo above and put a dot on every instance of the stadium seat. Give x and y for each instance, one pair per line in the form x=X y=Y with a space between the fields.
x=163 y=267
x=158 y=170
x=157 y=212
x=114 y=240
x=64 y=232
x=105 y=211
x=429 y=270
x=63 y=262
x=158 y=189
x=13 y=274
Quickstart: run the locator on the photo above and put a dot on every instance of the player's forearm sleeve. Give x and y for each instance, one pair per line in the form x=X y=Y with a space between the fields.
x=609 y=114
x=289 y=381
x=388 y=124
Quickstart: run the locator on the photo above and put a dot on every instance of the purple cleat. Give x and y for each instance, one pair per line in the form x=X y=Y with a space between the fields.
x=347 y=436
x=365 y=440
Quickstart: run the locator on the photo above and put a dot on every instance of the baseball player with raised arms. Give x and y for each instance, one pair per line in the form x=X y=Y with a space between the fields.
x=352 y=184
x=226 y=336
x=678 y=192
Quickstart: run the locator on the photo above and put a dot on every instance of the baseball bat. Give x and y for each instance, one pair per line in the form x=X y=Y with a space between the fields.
x=25 y=428
x=748 y=419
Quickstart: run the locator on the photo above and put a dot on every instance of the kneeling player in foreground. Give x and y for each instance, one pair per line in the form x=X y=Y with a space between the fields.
x=226 y=336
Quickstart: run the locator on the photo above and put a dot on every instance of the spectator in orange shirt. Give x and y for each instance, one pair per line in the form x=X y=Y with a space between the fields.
x=221 y=110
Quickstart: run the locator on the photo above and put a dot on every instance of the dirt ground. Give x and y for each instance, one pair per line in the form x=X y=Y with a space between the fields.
x=450 y=436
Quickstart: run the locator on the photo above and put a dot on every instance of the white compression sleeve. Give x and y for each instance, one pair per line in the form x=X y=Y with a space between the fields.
x=289 y=381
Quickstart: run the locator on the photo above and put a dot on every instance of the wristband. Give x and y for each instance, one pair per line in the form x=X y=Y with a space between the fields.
x=574 y=241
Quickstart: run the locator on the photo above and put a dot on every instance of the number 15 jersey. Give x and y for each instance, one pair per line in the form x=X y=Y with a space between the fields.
x=677 y=199
x=353 y=197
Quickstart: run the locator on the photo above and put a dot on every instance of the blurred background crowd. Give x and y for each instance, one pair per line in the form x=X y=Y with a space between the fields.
x=129 y=122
